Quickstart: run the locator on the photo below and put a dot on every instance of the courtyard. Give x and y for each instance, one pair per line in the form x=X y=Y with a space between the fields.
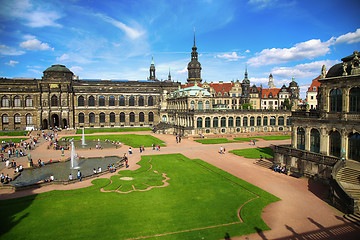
x=293 y=208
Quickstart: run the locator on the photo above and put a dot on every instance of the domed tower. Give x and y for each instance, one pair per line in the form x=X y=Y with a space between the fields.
x=294 y=94
x=271 y=81
x=152 y=70
x=245 y=88
x=194 y=67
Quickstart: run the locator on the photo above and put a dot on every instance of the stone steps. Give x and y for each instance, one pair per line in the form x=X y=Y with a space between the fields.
x=354 y=218
x=264 y=163
x=349 y=175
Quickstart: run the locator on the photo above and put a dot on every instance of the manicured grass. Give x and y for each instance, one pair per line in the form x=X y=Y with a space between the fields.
x=132 y=140
x=245 y=139
x=104 y=130
x=279 y=137
x=14 y=133
x=200 y=198
x=14 y=140
x=214 y=141
x=254 y=152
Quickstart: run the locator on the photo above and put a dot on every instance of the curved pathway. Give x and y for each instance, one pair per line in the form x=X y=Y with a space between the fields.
x=301 y=213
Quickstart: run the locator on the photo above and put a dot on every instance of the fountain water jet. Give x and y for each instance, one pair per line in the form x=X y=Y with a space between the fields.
x=83 y=137
x=73 y=157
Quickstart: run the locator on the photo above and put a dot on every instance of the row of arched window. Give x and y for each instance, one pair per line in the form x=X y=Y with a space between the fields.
x=334 y=143
x=131 y=117
x=16 y=101
x=244 y=121
x=5 y=119
x=336 y=100
x=112 y=101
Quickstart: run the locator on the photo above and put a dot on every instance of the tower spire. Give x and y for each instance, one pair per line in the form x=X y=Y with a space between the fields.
x=194 y=36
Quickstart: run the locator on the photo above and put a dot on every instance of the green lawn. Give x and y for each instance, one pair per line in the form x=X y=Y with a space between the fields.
x=214 y=141
x=245 y=139
x=15 y=140
x=254 y=152
x=279 y=137
x=132 y=140
x=14 y=133
x=200 y=202
x=104 y=130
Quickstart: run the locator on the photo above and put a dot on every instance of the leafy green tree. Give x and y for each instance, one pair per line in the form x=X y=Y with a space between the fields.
x=247 y=106
x=286 y=104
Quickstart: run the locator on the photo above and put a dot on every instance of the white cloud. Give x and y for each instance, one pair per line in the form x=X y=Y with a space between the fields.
x=34 y=44
x=352 y=37
x=230 y=57
x=247 y=51
x=33 y=15
x=12 y=63
x=306 y=70
x=305 y=50
x=76 y=69
x=130 y=32
x=260 y=4
x=5 y=50
x=184 y=70
x=63 y=57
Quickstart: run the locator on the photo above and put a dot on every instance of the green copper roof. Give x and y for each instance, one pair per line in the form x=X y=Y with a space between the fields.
x=58 y=68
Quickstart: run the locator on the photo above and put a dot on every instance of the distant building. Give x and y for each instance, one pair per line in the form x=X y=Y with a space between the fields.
x=312 y=92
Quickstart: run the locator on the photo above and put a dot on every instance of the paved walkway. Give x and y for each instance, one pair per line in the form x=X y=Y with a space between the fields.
x=301 y=213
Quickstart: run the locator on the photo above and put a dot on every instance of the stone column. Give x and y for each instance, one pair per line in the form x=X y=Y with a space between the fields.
x=344 y=143
x=307 y=139
x=324 y=141
x=294 y=137
x=345 y=101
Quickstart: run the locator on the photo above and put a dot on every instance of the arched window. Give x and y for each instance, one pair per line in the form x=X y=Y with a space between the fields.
x=207 y=122
x=200 y=105
x=354 y=146
x=215 y=122
x=112 y=117
x=354 y=96
x=102 y=117
x=245 y=121
x=258 y=121
x=300 y=138
x=223 y=122
x=132 y=117
x=192 y=104
x=29 y=120
x=252 y=121
x=238 y=121
x=17 y=118
x=5 y=102
x=131 y=101
x=288 y=121
x=272 y=121
x=335 y=100
x=121 y=101
x=151 y=116
x=102 y=101
x=111 y=101
x=265 y=121
x=164 y=118
x=92 y=118
x=335 y=143
x=92 y=101
x=54 y=101
x=122 y=117
x=17 y=101
x=281 y=121
x=141 y=101
x=207 y=105
x=230 y=122
x=150 y=101
x=315 y=140
x=81 y=101
x=141 y=117
x=199 y=122
x=81 y=118
x=5 y=119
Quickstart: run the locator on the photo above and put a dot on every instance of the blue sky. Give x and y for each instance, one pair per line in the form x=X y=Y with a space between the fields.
x=115 y=39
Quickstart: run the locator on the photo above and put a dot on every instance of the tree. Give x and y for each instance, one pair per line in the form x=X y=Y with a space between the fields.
x=286 y=104
x=247 y=106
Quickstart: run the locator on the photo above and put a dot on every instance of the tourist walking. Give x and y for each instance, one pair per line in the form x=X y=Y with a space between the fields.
x=79 y=175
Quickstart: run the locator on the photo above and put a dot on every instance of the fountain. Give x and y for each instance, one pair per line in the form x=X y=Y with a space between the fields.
x=83 y=137
x=73 y=157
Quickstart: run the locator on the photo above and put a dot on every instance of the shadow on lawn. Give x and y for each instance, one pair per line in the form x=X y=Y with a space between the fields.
x=12 y=212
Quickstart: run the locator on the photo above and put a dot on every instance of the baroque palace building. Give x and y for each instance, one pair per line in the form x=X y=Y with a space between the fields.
x=60 y=99
x=326 y=140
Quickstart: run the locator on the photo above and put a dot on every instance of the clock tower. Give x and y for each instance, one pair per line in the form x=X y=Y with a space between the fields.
x=194 y=67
